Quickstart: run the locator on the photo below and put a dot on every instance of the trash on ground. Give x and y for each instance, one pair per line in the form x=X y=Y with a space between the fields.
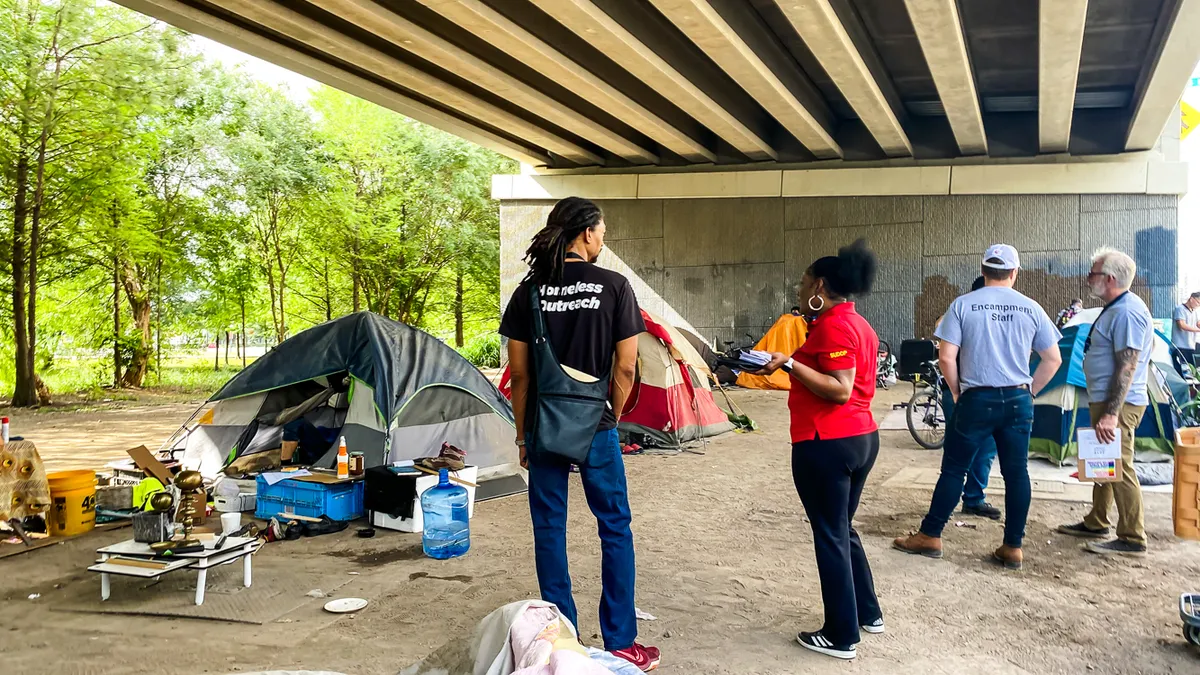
x=643 y=615
x=345 y=605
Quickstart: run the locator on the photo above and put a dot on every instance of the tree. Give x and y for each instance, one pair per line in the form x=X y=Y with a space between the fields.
x=72 y=100
x=278 y=172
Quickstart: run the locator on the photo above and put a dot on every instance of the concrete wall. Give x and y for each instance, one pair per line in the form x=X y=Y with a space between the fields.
x=730 y=266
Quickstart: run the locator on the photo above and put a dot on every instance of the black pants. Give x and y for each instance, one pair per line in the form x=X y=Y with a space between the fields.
x=1187 y=358
x=829 y=476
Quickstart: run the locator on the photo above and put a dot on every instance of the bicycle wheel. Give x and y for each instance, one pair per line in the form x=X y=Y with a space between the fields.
x=926 y=420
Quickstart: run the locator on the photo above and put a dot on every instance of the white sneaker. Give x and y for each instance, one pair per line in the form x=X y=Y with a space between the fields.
x=874 y=628
x=821 y=644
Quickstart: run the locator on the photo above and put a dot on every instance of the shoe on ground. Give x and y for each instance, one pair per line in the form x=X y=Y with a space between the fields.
x=984 y=510
x=1011 y=558
x=645 y=658
x=1117 y=547
x=919 y=544
x=874 y=628
x=1082 y=531
x=820 y=644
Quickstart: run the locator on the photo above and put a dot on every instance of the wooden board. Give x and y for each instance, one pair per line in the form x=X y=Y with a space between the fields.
x=325 y=479
x=8 y=550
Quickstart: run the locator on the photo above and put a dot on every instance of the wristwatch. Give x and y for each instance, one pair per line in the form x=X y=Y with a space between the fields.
x=520 y=442
x=787 y=367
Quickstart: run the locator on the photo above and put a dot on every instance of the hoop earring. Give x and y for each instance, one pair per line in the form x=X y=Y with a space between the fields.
x=818 y=307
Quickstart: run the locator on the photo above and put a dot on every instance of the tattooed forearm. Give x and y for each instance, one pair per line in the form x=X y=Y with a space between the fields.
x=1118 y=387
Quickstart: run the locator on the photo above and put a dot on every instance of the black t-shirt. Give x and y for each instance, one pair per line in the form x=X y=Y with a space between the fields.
x=586 y=315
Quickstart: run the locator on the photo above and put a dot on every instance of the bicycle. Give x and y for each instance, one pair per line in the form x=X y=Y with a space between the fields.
x=925 y=414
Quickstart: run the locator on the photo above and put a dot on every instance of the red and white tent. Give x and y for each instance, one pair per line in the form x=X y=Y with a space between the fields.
x=671 y=403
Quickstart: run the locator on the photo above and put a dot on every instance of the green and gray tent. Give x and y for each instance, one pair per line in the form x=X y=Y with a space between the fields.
x=395 y=392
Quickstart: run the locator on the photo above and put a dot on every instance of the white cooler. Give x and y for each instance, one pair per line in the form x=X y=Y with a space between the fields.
x=417 y=522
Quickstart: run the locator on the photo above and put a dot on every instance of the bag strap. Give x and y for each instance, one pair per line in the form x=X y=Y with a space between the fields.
x=1087 y=343
x=535 y=313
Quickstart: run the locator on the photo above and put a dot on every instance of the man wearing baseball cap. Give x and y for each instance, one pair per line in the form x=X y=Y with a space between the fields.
x=986 y=340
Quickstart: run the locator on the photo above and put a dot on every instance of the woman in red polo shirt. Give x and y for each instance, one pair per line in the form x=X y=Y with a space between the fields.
x=835 y=441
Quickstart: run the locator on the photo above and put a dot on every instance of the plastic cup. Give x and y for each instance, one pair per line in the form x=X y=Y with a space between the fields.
x=231 y=522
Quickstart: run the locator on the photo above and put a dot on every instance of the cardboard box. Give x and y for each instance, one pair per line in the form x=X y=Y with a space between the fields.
x=1098 y=462
x=1100 y=470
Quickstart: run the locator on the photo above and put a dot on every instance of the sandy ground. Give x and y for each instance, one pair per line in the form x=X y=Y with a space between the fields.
x=95 y=435
x=725 y=561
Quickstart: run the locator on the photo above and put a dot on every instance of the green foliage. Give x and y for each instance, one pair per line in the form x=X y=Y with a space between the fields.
x=483 y=351
x=181 y=201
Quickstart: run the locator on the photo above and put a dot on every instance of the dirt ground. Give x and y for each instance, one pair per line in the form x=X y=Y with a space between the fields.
x=725 y=562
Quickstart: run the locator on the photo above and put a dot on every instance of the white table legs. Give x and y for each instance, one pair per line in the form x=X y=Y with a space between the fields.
x=105 y=585
x=246 y=570
x=201 y=579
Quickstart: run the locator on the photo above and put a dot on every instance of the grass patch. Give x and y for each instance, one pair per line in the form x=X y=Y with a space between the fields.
x=184 y=376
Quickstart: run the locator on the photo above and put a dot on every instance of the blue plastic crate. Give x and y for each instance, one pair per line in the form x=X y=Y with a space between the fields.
x=341 y=501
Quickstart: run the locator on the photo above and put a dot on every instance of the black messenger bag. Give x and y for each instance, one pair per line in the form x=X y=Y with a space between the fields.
x=568 y=410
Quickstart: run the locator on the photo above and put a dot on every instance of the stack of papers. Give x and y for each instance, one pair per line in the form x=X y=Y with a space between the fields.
x=756 y=357
x=273 y=477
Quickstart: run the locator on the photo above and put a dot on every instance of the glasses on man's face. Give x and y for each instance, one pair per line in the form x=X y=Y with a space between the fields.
x=1095 y=274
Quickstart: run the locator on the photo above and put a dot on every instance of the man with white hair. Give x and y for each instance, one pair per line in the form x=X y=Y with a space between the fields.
x=1115 y=364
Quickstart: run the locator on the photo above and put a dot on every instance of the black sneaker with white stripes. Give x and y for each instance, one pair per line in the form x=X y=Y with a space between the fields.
x=817 y=642
x=874 y=628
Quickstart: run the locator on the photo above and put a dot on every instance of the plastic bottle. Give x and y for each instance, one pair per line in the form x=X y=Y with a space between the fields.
x=3 y=430
x=447 y=532
x=343 y=459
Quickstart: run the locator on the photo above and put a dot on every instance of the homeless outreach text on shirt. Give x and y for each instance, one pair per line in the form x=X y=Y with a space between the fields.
x=571 y=305
x=1001 y=312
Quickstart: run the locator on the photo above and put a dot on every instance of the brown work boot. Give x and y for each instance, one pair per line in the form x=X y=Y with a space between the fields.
x=919 y=544
x=1011 y=558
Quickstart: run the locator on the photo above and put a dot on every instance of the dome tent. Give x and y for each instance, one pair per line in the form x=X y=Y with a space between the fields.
x=408 y=393
x=1062 y=406
x=671 y=403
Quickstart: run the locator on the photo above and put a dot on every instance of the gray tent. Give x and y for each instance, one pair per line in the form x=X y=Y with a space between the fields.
x=407 y=394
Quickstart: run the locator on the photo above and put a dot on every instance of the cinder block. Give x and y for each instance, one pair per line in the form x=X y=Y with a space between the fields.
x=878 y=210
x=728 y=295
x=1149 y=235
x=892 y=315
x=722 y=231
x=632 y=218
x=1092 y=203
x=641 y=257
x=519 y=221
x=897 y=247
x=958 y=225
x=807 y=213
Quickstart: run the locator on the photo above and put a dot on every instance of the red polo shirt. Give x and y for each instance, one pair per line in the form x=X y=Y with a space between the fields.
x=839 y=340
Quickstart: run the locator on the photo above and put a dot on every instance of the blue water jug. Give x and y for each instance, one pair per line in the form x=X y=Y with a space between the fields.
x=447 y=532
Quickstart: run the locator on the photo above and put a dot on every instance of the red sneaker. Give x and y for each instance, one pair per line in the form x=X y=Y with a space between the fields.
x=645 y=658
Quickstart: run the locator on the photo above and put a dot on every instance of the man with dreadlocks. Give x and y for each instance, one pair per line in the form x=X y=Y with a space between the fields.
x=592 y=321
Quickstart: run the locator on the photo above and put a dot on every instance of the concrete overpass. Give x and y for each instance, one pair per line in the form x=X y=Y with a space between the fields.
x=732 y=141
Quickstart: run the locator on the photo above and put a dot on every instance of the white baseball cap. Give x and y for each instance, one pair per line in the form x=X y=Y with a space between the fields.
x=1009 y=260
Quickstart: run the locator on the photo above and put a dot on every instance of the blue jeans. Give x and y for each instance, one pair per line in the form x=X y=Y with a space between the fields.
x=603 y=475
x=981 y=468
x=1006 y=416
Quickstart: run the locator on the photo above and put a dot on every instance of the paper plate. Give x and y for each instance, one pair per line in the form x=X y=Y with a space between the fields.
x=345 y=605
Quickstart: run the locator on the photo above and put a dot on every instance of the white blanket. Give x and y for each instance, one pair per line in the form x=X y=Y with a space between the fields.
x=489 y=650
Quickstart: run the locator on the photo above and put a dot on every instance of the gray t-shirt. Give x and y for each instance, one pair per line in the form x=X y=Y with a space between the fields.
x=996 y=329
x=1125 y=324
x=1182 y=338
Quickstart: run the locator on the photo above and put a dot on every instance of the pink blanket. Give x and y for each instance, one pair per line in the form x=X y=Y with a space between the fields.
x=543 y=645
